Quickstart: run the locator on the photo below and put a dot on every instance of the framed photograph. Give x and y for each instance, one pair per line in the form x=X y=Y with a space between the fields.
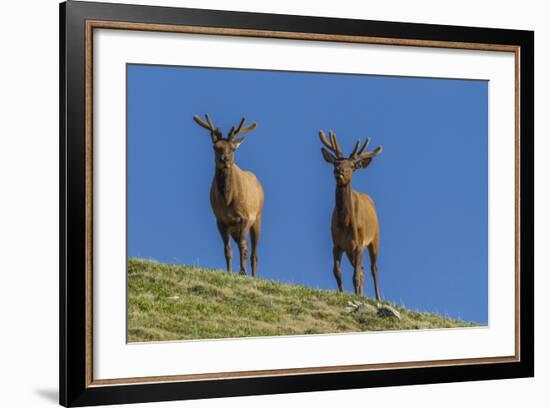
x=257 y=204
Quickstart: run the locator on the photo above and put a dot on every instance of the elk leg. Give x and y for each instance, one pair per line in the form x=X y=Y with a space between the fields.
x=243 y=246
x=357 y=271
x=226 y=245
x=373 y=254
x=243 y=249
x=254 y=238
x=337 y=270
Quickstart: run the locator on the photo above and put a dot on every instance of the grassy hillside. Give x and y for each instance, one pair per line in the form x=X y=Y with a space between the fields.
x=175 y=302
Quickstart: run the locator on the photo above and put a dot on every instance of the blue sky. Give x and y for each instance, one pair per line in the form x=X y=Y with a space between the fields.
x=429 y=184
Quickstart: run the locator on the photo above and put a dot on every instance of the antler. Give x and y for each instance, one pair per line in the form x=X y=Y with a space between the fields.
x=333 y=144
x=240 y=130
x=214 y=131
x=375 y=152
x=209 y=126
x=358 y=153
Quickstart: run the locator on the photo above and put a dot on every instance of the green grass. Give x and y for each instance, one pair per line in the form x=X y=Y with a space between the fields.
x=177 y=302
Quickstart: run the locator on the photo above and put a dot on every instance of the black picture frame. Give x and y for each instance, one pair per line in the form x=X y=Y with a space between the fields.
x=75 y=390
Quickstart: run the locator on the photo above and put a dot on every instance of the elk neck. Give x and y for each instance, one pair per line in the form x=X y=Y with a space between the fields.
x=344 y=203
x=224 y=181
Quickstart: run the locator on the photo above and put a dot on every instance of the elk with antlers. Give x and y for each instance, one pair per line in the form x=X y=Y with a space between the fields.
x=354 y=220
x=236 y=196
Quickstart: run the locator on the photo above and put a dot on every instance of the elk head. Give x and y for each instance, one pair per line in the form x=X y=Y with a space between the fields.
x=224 y=149
x=344 y=167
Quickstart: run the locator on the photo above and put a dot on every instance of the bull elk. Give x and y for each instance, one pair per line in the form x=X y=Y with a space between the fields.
x=354 y=220
x=236 y=195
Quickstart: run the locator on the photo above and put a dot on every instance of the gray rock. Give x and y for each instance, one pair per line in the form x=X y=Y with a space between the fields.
x=388 y=311
x=366 y=308
x=360 y=308
x=354 y=303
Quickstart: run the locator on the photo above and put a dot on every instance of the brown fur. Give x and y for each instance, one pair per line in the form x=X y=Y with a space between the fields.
x=236 y=198
x=354 y=221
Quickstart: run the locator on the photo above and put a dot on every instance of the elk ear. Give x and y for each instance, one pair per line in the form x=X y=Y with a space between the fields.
x=366 y=158
x=237 y=142
x=362 y=163
x=329 y=158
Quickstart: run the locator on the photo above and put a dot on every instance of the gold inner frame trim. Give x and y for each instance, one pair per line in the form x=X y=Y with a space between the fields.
x=93 y=24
